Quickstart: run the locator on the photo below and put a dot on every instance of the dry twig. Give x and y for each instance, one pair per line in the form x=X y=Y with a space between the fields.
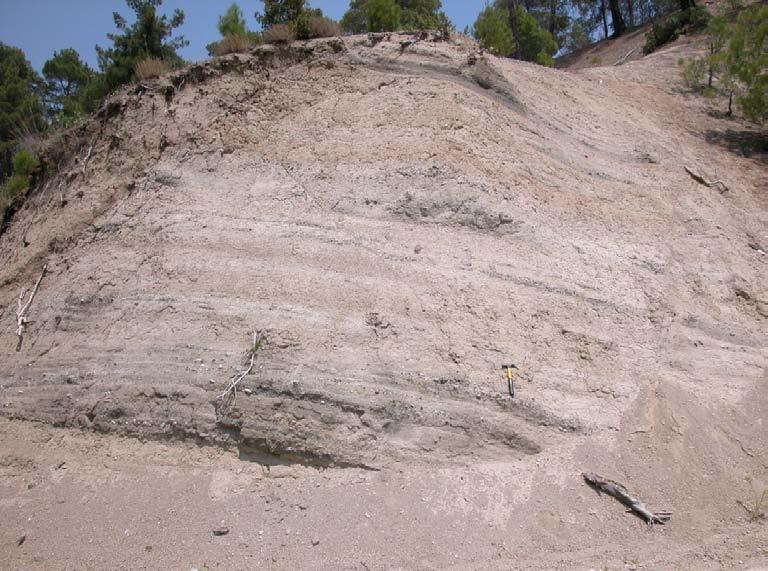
x=719 y=184
x=620 y=493
x=23 y=308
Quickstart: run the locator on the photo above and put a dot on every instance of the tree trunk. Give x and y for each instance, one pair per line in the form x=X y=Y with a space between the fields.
x=631 y=12
x=618 y=20
x=685 y=4
x=552 y=16
x=603 y=13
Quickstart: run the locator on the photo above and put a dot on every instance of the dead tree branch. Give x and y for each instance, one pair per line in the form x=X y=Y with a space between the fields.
x=86 y=159
x=719 y=184
x=23 y=308
x=622 y=60
x=619 y=492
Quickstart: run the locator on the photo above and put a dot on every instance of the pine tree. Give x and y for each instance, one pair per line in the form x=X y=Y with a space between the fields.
x=150 y=36
x=232 y=22
x=21 y=111
x=65 y=76
x=382 y=15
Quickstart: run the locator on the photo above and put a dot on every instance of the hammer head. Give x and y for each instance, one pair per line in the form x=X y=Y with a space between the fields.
x=505 y=367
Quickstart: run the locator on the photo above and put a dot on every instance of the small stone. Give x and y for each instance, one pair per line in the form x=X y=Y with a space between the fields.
x=21 y=540
x=315 y=541
x=221 y=531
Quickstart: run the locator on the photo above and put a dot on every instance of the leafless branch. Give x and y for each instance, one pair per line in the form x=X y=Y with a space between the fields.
x=23 y=308
x=719 y=184
x=87 y=158
x=622 y=60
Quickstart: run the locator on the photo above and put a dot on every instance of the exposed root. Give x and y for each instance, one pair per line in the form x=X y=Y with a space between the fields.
x=232 y=387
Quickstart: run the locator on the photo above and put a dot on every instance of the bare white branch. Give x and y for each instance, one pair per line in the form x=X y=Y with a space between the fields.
x=23 y=308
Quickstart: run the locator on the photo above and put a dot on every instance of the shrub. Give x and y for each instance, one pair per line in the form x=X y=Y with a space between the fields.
x=24 y=163
x=301 y=25
x=323 y=28
x=279 y=34
x=694 y=72
x=15 y=185
x=233 y=45
x=698 y=17
x=543 y=58
x=150 y=68
x=669 y=29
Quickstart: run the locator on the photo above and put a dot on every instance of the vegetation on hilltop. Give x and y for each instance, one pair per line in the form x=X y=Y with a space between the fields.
x=534 y=30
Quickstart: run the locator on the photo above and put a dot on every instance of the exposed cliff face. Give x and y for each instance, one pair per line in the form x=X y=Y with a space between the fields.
x=397 y=222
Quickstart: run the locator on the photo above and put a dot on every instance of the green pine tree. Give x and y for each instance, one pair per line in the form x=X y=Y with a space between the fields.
x=21 y=111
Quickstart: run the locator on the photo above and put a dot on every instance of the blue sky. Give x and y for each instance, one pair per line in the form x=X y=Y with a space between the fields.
x=41 y=26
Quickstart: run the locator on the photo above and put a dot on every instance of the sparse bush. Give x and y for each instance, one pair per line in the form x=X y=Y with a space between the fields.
x=150 y=68
x=233 y=45
x=323 y=28
x=694 y=72
x=279 y=34
x=595 y=60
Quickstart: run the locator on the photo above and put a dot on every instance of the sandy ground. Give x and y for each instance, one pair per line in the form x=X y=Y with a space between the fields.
x=395 y=222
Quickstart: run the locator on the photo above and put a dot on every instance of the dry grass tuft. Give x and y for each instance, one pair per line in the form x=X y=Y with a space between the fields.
x=279 y=34
x=150 y=68
x=757 y=509
x=323 y=28
x=233 y=45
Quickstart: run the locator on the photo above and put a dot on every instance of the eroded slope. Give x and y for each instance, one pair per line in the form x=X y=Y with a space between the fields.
x=397 y=222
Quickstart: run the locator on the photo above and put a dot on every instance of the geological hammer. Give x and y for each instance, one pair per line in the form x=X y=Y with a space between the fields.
x=510 y=384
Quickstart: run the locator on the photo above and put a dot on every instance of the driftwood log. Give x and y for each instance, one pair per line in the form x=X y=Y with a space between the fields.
x=619 y=492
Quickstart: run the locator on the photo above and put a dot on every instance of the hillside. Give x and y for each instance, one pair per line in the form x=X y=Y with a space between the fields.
x=395 y=217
